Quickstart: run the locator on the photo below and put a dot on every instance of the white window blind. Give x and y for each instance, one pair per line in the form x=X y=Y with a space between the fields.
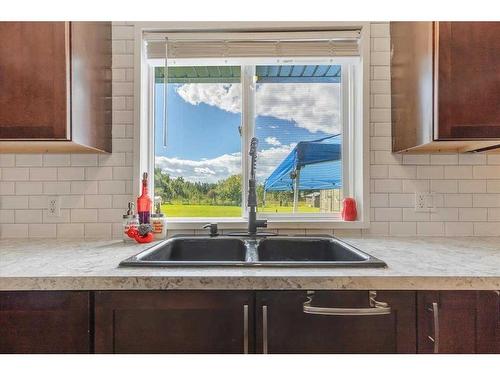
x=252 y=44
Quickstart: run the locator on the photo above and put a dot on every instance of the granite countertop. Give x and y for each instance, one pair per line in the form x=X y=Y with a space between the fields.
x=413 y=263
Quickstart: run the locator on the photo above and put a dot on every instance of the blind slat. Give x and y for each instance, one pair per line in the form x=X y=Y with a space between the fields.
x=337 y=44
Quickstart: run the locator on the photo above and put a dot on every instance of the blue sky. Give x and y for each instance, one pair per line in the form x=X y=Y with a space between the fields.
x=203 y=143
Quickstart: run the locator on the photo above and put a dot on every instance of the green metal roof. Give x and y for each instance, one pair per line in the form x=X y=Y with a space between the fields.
x=265 y=73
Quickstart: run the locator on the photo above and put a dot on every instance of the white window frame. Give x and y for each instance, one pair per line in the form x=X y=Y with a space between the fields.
x=355 y=152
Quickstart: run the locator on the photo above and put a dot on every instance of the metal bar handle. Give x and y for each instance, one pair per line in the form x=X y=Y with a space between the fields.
x=376 y=308
x=245 y=329
x=435 y=339
x=264 y=330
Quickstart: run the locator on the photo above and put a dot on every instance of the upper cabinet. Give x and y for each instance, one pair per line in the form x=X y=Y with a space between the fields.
x=55 y=87
x=445 y=85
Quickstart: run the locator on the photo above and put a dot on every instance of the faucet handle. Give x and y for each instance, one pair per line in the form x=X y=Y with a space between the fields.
x=214 y=230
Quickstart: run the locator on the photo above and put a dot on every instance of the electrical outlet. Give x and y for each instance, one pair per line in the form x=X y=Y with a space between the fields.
x=425 y=202
x=54 y=206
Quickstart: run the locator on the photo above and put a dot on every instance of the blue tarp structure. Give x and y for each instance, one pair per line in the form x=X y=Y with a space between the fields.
x=311 y=165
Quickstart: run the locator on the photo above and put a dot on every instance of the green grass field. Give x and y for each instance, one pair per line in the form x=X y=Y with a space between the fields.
x=200 y=210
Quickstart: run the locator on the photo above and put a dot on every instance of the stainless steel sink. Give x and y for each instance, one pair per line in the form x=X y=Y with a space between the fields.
x=281 y=251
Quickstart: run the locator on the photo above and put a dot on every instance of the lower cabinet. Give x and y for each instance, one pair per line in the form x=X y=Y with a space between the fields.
x=338 y=322
x=458 y=322
x=174 y=322
x=44 y=322
x=234 y=321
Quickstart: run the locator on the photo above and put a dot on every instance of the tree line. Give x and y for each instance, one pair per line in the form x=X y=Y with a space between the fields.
x=225 y=192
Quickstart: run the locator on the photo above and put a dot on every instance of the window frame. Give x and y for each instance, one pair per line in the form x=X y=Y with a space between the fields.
x=355 y=94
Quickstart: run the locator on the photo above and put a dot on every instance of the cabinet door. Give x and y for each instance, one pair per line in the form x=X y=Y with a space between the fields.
x=468 y=55
x=173 y=322
x=458 y=322
x=283 y=327
x=44 y=322
x=34 y=80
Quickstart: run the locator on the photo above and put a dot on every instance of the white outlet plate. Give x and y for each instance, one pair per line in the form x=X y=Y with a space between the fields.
x=54 y=206
x=425 y=202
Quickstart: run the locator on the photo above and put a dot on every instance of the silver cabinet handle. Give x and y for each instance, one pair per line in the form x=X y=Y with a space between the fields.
x=264 y=330
x=435 y=314
x=245 y=329
x=376 y=308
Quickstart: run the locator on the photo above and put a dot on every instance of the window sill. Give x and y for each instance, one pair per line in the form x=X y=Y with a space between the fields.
x=235 y=223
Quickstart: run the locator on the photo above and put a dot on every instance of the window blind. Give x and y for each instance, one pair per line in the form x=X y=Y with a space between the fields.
x=252 y=44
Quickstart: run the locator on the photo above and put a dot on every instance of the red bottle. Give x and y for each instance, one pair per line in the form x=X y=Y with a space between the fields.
x=144 y=203
x=349 y=212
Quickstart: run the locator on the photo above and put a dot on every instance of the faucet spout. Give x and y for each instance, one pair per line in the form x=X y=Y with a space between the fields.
x=253 y=223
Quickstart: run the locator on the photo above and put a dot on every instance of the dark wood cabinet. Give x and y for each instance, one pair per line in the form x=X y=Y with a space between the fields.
x=458 y=322
x=174 y=322
x=55 y=86
x=44 y=322
x=445 y=86
x=284 y=327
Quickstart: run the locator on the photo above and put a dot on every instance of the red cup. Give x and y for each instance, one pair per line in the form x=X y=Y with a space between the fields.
x=349 y=211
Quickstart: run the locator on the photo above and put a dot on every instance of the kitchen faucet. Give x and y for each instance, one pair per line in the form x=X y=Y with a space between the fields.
x=253 y=222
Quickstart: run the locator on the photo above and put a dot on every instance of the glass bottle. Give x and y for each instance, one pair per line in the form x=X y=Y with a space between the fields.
x=144 y=202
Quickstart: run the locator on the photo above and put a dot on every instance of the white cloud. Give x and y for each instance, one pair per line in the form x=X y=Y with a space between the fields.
x=225 y=96
x=273 y=141
x=207 y=170
x=213 y=170
x=312 y=106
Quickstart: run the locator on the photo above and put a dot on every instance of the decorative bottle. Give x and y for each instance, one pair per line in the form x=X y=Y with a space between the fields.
x=144 y=202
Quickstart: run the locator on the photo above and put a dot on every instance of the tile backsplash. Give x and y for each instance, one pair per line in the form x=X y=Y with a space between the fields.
x=95 y=189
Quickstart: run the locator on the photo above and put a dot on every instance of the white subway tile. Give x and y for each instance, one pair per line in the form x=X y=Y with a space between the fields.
x=486 y=200
x=70 y=230
x=43 y=174
x=378 y=171
x=388 y=214
x=458 y=200
x=28 y=216
x=56 y=160
x=7 y=216
x=494 y=159
x=121 y=201
x=110 y=215
x=7 y=160
x=84 y=187
x=98 y=230
x=444 y=186
x=15 y=174
x=409 y=214
x=98 y=173
x=56 y=188
x=98 y=201
x=493 y=186
x=83 y=215
x=486 y=171
x=70 y=174
x=418 y=159
x=403 y=229
x=413 y=186
x=28 y=160
x=379 y=200
x=471 y=159
x=379 y=30
x=486 y=229
x=453 y=229
x=13 y=202
x=444 y=159
x=381 y=72
x=29 y=188
x=494 y=214
x=42 y=230
x=472 y=186
x=84 y=160
x=430 y=171
x=472 y=214
x=388 y=186
x=112 y=187
x=457 y=172
x=111 y=160
x=63 y=218
x=430 y=228
x=377 y=229
x=7 y=187
x=13 y=231
x=122 y=173
x=444 y=214
x=38 y=201
x=401 y=200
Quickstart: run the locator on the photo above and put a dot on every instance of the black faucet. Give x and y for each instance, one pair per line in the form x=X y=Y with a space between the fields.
x=253 y=223
x=214 y=230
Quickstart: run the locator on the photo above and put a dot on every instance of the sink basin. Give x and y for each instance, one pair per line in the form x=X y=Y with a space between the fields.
x=189 y=250
x=280 y=251
x=307 y=250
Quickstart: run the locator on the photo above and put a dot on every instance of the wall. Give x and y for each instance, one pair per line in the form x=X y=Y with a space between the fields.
x=96 y=188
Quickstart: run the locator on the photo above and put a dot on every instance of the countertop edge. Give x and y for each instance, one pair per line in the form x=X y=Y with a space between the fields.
x=248 y=283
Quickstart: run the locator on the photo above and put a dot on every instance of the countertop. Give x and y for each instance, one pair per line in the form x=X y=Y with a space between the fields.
x=413 y=264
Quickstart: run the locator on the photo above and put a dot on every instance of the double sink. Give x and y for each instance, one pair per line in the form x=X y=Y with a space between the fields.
x=279 y=251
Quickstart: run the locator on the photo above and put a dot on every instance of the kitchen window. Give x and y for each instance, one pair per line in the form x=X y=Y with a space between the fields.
x=211 y=96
